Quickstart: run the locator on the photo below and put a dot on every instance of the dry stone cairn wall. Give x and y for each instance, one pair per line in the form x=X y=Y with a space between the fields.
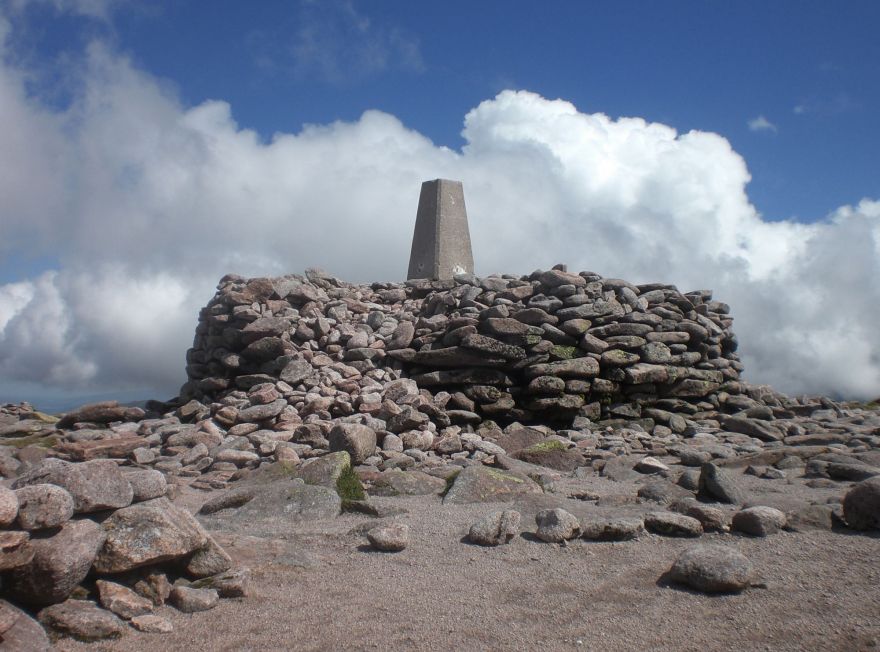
x=550 y=347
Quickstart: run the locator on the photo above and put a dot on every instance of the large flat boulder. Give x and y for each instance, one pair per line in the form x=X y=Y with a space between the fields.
x=96 y=485
x=148 y=533
x=481 y=484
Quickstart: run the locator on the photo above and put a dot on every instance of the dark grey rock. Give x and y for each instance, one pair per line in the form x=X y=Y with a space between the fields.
x=719 y=484
x=861 y=505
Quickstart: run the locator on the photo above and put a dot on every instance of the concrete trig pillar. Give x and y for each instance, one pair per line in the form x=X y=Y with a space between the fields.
x=441 y=246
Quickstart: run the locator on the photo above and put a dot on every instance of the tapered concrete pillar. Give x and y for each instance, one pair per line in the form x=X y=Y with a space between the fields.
x=441 y=246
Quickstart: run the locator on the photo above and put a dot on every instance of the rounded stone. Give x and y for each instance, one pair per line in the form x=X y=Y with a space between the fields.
x=356 y=439
x=495 y=528
x=557 y=525
x=613 y=529
x=8 y=506
x=712 y=568
x=759 y=521
x=389 y=538
x=861 y=505
x=673 y=525
x=42 y=506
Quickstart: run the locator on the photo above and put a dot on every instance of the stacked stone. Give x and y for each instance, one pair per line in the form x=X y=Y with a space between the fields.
x=549 y=346
x=70 y=531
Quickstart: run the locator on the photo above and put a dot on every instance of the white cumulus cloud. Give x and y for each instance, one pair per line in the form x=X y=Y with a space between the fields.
x=146 y=203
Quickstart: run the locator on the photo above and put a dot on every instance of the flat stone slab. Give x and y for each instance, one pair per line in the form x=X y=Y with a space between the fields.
x=481 y=484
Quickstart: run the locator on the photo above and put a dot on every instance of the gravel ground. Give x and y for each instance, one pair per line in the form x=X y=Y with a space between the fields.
x=317 y=586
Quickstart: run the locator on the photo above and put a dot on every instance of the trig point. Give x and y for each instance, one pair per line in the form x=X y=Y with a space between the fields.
x=441 y=246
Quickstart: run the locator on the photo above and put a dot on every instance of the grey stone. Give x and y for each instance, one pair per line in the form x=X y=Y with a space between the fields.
x=557 y=525
x=20 y=632
x=759 y=521
x=43 y=506
x=296 y=371
x=8 y=506
x=148 y=533
x=358 y=440
x=121 y=600
x=613 y=529
x=82 y=620
x=672 y=524
x=480 y=484
x=152 y=624
x=389 y=538
x=190 y=600
x=441 y=246
x=60 y=562
x=15 y=549
x=861 y=505
x=209 y=560
x=146 y=484
x=230 y=584
x=712 y=568
x=719 y=484
x=95 y=485
x=495 y=528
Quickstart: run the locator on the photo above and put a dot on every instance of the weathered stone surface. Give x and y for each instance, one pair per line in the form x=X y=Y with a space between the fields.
x=8 y=506
x=556 y=525
x=103 y=412
x=80 y=451
x=95 y=485
x=121 y=600
x=389 y=538
x=190 y=600
x=495 y=528
x=759 y=521
x=296 y=371
x=152 y=624
x=477 y=484
x=712 y=568
x=861 y=505
x=358 y=440
x=552 y=454
x=146 y=484
x=290 y=500
x=672 y=524
x=15 y=549
x=324 y=470
x=154 y=586
x=42 y=506
x=20 y=632
x=231 y=584
x=61 y=560
x=395 y=482
x=753 y=428
x=257 y=413
x=82 y=620
x=719 y=484
x=147 y=533
x=232 y=499
x=209 y=560
x=612 y=529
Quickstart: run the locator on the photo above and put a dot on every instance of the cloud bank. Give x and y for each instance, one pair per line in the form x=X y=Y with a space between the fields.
x=146 y=203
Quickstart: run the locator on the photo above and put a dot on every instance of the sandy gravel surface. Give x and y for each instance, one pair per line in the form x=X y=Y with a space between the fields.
x=317 y=587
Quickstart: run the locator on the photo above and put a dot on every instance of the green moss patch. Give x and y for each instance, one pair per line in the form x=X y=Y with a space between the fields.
x=547 y=446
x=349 y=487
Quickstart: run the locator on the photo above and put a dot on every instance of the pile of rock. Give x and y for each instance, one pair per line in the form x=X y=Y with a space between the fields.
x=76 y=533
x=549 y=346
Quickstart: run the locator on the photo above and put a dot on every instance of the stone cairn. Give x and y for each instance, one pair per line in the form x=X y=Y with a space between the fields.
x=473 y=388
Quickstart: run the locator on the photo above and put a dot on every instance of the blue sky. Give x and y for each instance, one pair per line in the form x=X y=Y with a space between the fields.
x=811 y=69
x=138 y=136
